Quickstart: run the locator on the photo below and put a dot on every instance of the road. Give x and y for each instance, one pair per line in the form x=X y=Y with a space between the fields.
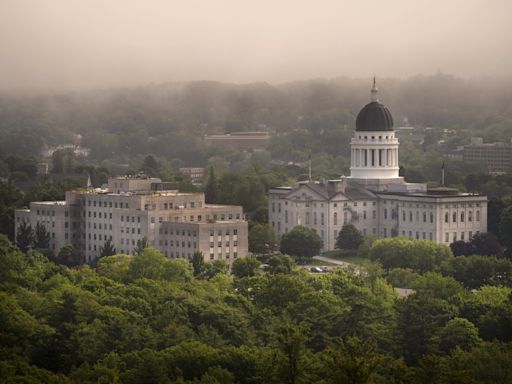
x=334 y=261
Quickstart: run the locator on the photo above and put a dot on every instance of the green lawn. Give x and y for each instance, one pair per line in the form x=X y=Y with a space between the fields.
x=348 y=256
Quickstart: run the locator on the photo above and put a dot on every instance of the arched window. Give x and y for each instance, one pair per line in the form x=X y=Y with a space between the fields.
x=470 y=216
x=454 y=216
x=477 y=215
x=335 y=218
x=462 y=217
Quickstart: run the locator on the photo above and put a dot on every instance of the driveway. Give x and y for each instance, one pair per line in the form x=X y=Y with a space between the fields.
x=337 y=262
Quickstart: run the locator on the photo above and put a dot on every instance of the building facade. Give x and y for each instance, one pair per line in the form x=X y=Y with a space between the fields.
x=497 y=156
x=131 y=208
x=375 y=199
x=240 y=140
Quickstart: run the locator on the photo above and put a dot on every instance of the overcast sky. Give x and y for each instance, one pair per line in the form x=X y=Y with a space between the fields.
x=102 y=43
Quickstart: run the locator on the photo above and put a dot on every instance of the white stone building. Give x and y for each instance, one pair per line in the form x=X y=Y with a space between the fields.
x=375 y=199
x=131 y=208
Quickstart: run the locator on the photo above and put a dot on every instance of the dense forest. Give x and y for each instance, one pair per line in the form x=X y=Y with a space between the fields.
x=149 y=319
x=169 y=120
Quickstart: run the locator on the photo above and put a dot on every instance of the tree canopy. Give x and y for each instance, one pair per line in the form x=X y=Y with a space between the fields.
x=301 y=242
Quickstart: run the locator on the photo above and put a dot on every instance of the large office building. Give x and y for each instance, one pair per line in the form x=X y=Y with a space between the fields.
x=497 y=156
x=240 y=140
x=374 y=198
x=133 y=207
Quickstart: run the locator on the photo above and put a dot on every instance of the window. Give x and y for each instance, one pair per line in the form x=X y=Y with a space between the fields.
x=335 y=218
x=446 y=217
x=431 y=218
x=462 y=217
x=470 y=216
x=477 y=215
x=424 y=217
x=403 y=216
x=385 y=213
x=454 y=217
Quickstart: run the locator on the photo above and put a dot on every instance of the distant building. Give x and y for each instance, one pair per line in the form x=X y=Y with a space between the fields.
x=408 y=133
x=497 y=156
x=240 y=140
x=131 y=208
x=76 y=149
x=375 y=199
x=196 y=174
x=42 y=169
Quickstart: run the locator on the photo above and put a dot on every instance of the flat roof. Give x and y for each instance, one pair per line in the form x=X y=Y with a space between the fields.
x=59 y=202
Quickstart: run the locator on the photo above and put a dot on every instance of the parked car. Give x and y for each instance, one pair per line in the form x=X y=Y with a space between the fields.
x=315 y=270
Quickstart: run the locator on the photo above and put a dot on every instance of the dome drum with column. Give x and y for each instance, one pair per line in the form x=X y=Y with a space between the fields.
x=374 y=148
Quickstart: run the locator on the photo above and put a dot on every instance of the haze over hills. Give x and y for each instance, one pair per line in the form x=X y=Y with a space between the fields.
x=90 y=44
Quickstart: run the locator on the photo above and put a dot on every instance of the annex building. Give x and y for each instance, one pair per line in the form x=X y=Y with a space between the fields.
x=374 y=198
x=133 y=207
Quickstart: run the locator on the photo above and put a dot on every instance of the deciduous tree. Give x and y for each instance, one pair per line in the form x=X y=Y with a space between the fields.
x=301 y=242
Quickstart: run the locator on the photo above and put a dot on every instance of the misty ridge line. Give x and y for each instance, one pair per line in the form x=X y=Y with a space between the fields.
x=481 y=81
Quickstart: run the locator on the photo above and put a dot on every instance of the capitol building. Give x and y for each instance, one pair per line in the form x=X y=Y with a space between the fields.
x=374 y=198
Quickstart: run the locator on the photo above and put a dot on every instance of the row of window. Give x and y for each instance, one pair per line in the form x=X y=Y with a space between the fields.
x=424 y=216
x=455 y=238
x=423 y=235
x=462 y=216
x=128 y=218
x=212 y=255
x=226 y=243
x=227 y=232
x=165 y=231
x=110 y=204
x=309 y=204
x=192 y=204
